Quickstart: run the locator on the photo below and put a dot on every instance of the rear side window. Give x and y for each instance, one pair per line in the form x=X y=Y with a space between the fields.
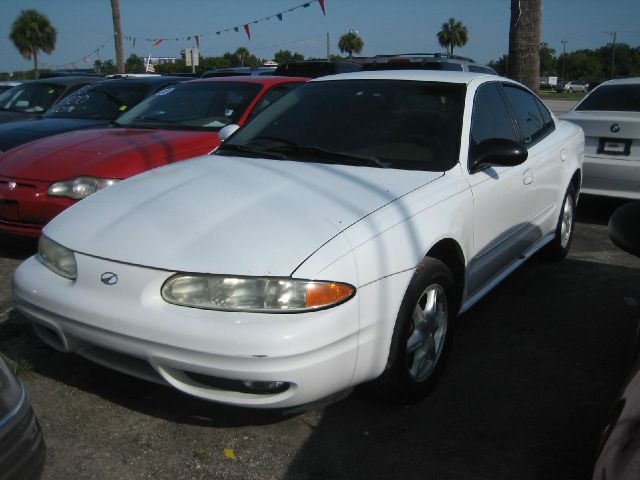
x=616 y=98
x=531 y=123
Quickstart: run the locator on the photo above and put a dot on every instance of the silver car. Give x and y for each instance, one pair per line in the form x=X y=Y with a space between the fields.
x=610 y=118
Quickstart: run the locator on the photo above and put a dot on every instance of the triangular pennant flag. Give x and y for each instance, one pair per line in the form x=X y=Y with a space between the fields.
x=197 y=37
x=134 y=43
x=246 y=29
x=217 y=33
x=157 y=42
x=305 y=5
x=85 y=60
x=321 y=3
x=279 y=15
x=236 y=29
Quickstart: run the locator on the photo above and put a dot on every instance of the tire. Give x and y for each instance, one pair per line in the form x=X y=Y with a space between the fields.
x=559 y=247
x=571 y=90
x=421 y=337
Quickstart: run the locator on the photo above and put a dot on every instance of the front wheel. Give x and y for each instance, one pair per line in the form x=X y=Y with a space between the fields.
x=421 y=337
x=558 y=248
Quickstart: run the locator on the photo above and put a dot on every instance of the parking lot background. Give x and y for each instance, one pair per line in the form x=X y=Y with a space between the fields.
x=532 y=374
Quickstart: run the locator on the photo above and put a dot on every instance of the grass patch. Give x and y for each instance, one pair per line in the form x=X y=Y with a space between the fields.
x=553 y=95
x=19 y=367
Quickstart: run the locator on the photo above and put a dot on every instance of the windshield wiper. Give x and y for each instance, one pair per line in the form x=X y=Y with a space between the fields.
x=251 y=151
x=326 y=154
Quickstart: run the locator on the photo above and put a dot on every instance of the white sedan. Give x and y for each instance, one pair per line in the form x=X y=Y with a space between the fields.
x=610 y=118
x=330 y=242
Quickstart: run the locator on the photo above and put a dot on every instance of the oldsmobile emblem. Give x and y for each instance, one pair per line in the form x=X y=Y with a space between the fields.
x=109 y=278
x=615 y=128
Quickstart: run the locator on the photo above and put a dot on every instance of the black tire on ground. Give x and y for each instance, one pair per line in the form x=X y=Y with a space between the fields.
x=425 y=320
x=559 y=247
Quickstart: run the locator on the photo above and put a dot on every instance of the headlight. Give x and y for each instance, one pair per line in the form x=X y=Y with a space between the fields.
x=57 y=258
x=80 y=187
x=254 y=294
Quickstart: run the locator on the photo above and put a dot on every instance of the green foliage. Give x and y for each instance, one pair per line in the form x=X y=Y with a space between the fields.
x=350 y=43
x=284 y=56
x=134 y=64
x=548 y=62
x=453 y=34
x=583 y=64
x=31 y=32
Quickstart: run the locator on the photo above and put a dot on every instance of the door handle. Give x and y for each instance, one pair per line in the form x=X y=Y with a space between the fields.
x=527 y=176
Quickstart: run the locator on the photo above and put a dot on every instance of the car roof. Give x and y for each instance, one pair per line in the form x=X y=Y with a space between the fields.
x=67 y=80
x=143 y=80
x=415 y=75
x=623 y=81
x=267 y=80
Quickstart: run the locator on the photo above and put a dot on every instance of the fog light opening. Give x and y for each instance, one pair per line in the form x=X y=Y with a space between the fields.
x=265 y=387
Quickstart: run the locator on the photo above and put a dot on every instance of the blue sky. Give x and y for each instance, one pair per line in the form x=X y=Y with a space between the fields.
x=386 y=26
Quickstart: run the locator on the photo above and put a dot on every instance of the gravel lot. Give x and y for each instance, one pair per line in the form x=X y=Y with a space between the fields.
x=533 y=371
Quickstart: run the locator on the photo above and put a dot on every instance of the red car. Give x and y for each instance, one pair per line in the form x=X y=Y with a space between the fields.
x=40 y=179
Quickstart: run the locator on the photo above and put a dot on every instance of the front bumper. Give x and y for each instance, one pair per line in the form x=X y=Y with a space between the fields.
x=130 y=328
x=25 y=206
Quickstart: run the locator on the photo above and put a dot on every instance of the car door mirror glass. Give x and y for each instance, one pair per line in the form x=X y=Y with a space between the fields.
x=498 y=152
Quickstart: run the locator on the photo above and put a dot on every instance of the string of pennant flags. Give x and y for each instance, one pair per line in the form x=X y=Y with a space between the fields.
x=83 y=60
x=157 y=41
x=246 y=26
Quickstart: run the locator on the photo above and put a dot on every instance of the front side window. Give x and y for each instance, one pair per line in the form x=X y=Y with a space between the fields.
x=379 y=123
x=613 y=98
x=30 y=97
x=530 y=122
x=490 y=119
x=197 y=105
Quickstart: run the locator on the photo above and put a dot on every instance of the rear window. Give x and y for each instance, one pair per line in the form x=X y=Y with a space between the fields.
x=30 y=97
x=618 y=98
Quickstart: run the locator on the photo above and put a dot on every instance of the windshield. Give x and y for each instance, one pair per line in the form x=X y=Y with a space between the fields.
x=617 y=98
x=99 y=101
x=380 y=123
x=194 y=106
x=30 y=97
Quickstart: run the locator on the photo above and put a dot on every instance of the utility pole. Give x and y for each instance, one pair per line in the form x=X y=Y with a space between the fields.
x=613 y=52
x=117 y=35
x=564 y=54
x=328 y=52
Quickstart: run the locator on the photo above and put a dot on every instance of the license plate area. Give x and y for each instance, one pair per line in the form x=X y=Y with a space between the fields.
x=614 y=146
x=9 y=210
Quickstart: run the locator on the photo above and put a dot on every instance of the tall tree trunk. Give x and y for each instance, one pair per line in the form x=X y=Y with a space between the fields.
x=35 y=63
x=117 y=35
x=524 y=42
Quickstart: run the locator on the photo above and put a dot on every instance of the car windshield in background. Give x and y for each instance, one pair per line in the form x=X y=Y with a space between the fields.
x=614 y=98
x=198 y=105
x=30 y=97
x=379 y=123
x=99 y=101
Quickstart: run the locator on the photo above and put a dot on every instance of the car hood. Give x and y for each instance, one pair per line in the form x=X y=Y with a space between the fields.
x=598 y=124
x=16 y=133
x=219 y=214
x=103 y=152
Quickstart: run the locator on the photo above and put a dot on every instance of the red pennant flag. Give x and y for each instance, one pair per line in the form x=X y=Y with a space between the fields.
x=246 y=29
x=321 y=2
x=197 y=41
x=74 y=66
x=156 y=43
x=85 y=60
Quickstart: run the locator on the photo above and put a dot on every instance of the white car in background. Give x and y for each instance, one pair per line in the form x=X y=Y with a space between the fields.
x=330 y=242
x=610 y=118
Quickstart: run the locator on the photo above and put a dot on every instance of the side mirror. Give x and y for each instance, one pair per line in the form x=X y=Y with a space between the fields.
x=226 y=131
x=497 y=152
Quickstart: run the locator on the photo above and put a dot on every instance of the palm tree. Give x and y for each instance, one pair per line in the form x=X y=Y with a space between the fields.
x=351 y=43
x=524 y=42
x=32 y=32
x=453 y=34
